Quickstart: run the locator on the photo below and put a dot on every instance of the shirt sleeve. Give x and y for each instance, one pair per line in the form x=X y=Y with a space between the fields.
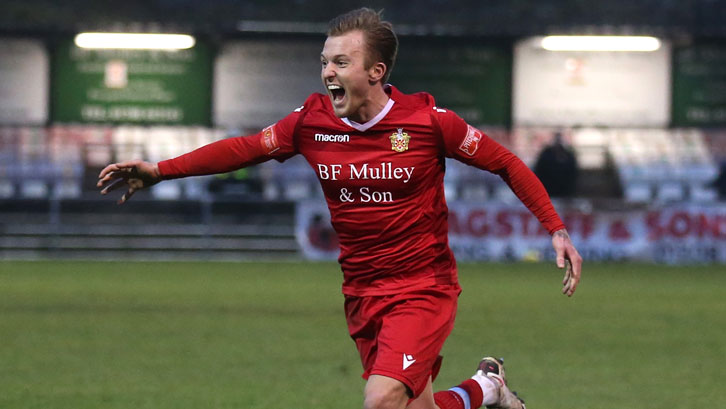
x=467 y=144
x=274 y=142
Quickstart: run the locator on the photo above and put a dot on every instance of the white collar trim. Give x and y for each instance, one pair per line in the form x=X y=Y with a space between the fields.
x=364 y=127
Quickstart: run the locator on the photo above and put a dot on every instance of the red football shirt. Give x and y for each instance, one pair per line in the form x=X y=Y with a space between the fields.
x=383 y=183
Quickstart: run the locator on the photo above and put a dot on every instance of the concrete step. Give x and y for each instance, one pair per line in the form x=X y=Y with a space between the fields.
x=174 y=242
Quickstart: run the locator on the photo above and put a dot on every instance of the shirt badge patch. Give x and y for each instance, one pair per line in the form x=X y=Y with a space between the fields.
x=269 y=140
x=399 y=140
x=470 y=144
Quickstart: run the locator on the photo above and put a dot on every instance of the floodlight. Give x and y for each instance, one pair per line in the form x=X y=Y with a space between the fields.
x=600 y=43
x=138 y=41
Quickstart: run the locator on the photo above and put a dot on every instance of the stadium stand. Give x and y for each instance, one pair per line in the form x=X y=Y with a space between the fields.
x=665 y=165
x=50 y=204
x=63 y=160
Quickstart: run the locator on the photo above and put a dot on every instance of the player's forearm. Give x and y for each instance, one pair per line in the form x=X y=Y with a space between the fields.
x=528 y=188
x=218 y=157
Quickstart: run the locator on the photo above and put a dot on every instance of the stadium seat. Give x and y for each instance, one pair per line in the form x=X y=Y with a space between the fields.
x=702 y=194
x=504 y=194
x=296 y=179
x=169 y=190
x=639 y=192
x=129 y=143
x=670 y=192
x=590 y=146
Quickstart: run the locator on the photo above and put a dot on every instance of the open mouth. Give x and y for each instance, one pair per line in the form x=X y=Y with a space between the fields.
x=337 y=93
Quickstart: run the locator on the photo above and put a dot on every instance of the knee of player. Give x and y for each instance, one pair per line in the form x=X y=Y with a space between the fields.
x=386 y=397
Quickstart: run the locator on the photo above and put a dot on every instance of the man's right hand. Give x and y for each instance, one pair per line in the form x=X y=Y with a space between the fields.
x=133 y=174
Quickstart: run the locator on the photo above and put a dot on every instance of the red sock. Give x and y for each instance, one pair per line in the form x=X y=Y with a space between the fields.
x=453 y=400
x=448 y=400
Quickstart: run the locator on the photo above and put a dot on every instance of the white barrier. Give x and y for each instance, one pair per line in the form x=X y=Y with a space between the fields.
x=679 y=233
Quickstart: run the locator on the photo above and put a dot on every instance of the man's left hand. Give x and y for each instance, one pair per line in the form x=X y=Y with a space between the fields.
x=569 y=259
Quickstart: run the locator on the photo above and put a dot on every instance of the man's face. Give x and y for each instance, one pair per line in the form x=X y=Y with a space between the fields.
x=344 y=73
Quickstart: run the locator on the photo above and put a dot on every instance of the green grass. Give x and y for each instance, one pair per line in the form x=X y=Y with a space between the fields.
x=263 y=335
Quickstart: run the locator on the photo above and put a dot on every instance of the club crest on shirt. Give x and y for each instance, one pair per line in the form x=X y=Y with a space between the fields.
x=399 y=140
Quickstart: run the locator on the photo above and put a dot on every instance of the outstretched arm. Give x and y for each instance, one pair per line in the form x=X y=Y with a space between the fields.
x=133 y=175
x=569 y=259
x=530 y=191
x=275 y=141
x=473 y=147
x=218 y=157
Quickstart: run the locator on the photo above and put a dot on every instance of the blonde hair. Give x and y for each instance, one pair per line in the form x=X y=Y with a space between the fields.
x=381 y=41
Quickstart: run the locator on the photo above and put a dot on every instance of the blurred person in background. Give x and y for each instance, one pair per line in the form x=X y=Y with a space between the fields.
x=557 y=168
x=719 y=183
x=379 y=155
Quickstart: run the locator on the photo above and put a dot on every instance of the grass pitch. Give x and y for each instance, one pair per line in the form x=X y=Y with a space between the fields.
x=272 y=335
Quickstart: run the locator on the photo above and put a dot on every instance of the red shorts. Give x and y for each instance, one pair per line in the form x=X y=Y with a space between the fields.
x=400 y=335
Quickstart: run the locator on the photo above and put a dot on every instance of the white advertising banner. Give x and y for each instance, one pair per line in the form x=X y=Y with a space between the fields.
x=256 y=83
x=572 y=88
x=504 y=232
x=23 y=82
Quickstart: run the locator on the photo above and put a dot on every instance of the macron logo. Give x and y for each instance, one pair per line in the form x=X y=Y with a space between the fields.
x=321 y=137
x=407 y=361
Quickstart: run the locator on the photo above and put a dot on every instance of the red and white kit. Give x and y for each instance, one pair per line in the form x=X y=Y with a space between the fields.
x=383 y=183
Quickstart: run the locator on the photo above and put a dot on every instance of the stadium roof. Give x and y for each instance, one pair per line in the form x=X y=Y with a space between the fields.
x=499 y=18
